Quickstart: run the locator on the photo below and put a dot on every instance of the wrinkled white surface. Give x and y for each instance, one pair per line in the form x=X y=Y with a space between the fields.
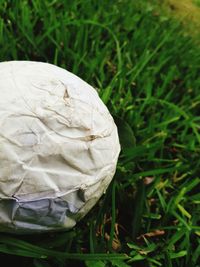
x=58 y=147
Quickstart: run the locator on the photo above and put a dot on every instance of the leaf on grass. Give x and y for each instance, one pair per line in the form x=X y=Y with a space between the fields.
x=126 y=135
x=148 y=180
x=152 y=234
x=116 y=244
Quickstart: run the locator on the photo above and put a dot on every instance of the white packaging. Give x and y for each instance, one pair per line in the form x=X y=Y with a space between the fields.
x=58 y=147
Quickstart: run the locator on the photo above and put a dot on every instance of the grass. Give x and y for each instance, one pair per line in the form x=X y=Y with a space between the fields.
x=197 y=2
x=186 y=11
x=146 y=70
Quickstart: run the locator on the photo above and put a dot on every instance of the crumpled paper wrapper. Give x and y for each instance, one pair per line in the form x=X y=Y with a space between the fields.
x=58 y=147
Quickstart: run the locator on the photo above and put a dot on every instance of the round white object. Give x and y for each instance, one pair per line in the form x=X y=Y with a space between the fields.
x=58 y=147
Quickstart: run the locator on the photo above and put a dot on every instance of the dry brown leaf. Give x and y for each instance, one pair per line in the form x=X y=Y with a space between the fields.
x=152 y=234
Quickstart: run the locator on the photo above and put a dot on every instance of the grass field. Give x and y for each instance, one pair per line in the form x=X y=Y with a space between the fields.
x=186 y=11
x=146 y=70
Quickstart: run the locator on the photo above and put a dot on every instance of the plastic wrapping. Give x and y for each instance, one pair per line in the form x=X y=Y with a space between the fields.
x=58 y=147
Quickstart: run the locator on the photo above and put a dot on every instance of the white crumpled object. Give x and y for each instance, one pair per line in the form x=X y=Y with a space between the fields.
x=58 y=147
